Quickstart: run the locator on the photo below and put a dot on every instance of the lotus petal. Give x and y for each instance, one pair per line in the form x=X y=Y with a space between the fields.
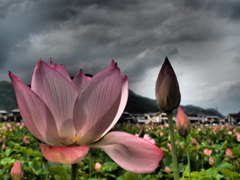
x=35 y=113
x=131 y=152
x=59 y=94
x=64 y=155
x=122 y=105
x=81 y=80
x=97 y=105
x=61 y=69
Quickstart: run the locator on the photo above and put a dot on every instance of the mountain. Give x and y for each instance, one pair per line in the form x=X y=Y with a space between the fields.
x=191 y=109
x=139 y=104
x=135 y=104
x=7 y=96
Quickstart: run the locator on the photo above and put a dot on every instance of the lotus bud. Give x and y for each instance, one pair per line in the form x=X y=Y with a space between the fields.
x=167 y=90
x=211 y=160
x=25 y=140
x=167 y=169
x=4 y=146
x=16 y=172
x=194 y=141
x=229 y=153
x=183 y=124
x=98 y=167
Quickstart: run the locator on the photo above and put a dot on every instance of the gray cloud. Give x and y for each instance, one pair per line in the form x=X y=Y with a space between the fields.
x=137 y=34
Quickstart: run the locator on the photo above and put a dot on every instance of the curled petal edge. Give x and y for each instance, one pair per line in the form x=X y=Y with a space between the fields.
x=64 y=155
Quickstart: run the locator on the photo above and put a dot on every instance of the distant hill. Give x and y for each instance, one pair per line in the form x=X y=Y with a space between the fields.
x=191 y=109
x=7 y=96
x=135 y=104
x=139 y=104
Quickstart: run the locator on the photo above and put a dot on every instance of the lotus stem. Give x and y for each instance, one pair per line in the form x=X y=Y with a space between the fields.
x=74 y=172
x=188 y=159
x=174 y=149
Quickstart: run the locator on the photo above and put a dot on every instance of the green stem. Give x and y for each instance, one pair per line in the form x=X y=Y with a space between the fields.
x=74 y=172
x=174 y=149
x=188 y=159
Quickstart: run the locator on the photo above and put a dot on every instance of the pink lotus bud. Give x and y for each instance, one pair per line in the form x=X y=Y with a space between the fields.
x=194 y=141
x=16 y=172
x=229 y=132
x=4 y=146
x=207 y=152
x=211 y=160
x=161 y=134
x=167 y=169
x=238 y=136
x=25 y=140
x=167 y=89
x=229 y=153
x=183 y=124
x=98 y=167
x=169 y=146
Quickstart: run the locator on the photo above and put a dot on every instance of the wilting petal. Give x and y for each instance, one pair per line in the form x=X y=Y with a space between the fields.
x=61 y=69
x=97 y=105
x=122 y=105
x=81 y=80
x=64 y=155
x=59 y=94
x=131 y=152
x=36 y=115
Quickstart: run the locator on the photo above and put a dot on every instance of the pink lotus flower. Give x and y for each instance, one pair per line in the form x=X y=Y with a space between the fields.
x=183 y=124
x=148 y=138
x=207 y=152
x=71 y=116
x=16 y=171
x=167 y=89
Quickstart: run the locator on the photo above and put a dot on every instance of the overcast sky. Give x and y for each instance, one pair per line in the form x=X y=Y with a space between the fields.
x=200 y=38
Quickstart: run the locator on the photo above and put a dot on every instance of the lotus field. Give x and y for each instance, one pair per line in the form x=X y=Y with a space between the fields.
x=214 y=154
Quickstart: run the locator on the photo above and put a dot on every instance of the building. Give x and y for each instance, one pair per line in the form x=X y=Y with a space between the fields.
x=233 y=119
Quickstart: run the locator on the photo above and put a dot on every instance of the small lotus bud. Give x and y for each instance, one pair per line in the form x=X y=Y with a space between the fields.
x=25 y=140
x=4 y=146
x=167 y=89
x=229 y=153
x=98 y=167
x=183 y=124
x=211 y=160
x=194 y=141
x=167 y=169
x=238 y=136
x=16 y=172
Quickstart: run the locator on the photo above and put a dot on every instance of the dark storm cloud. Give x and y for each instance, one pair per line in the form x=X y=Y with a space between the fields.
x=148 y=60
x=137 y=34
